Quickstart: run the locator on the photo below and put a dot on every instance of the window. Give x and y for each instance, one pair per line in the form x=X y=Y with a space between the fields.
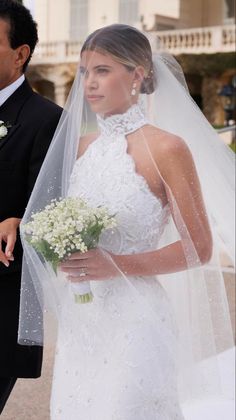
x=229 y=11
x=128 y=11
x=79 y=20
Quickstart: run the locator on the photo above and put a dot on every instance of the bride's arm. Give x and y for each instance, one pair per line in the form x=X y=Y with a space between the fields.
x=183 y=190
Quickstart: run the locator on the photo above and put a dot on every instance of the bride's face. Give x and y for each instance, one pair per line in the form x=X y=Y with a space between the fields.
x=107 y=83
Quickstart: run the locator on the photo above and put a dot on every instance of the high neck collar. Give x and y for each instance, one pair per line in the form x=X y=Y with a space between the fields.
x=122 y=124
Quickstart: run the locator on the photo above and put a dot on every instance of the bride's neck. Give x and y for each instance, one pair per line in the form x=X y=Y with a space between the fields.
x=120 y=111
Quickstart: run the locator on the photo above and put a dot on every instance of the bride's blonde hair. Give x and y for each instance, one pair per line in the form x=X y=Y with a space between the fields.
x=128 y=46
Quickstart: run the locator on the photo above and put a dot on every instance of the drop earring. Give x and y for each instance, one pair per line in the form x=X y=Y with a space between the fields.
x=133 y=91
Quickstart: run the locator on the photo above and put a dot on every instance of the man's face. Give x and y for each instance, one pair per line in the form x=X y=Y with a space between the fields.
x=9 y=70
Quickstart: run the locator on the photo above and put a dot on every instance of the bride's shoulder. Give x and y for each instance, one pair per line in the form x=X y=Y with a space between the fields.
x=85 y=141
x=161 y=139
x=170 y=152
x=164 y=144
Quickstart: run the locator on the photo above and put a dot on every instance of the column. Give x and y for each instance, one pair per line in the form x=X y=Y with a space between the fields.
x=60 y=94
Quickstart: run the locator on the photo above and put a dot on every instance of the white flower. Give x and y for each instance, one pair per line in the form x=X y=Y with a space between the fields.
x=67 y=226
x=3 y=129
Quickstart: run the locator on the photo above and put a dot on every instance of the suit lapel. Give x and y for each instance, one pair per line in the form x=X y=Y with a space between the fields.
x=11 y=131
x=10 y=110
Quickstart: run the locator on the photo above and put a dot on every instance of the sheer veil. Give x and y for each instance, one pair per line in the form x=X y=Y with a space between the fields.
x=198 y=294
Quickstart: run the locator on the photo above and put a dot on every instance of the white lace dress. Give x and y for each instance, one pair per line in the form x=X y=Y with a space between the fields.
x=115 y=357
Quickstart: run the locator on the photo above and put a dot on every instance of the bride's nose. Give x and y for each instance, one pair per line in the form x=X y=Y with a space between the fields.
x=91 y=82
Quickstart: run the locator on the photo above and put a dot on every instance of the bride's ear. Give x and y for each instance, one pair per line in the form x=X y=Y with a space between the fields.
x=139 y=74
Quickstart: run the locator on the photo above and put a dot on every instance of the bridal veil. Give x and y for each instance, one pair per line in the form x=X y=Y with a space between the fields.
x=197 y=294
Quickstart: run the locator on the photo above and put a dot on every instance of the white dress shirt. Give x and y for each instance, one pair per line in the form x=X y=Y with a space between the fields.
x=9 y=90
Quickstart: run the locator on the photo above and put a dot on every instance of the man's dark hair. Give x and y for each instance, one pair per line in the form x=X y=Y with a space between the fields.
x=23 y=29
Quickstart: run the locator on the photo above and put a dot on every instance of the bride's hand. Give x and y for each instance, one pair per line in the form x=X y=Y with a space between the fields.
x=95 y=264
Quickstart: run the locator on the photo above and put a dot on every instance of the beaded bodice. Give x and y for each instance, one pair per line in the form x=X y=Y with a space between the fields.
x=105 y=175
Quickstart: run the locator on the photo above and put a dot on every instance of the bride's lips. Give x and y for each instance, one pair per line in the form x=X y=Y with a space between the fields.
x=93 y=98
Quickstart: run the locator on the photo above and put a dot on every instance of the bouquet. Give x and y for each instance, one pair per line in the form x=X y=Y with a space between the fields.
x=66 y=226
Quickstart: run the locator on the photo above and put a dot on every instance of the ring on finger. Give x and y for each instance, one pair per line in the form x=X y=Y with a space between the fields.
x=82 y=272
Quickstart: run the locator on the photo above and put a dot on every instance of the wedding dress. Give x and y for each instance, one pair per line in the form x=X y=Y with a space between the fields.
x=119 y=356
x=111 y=362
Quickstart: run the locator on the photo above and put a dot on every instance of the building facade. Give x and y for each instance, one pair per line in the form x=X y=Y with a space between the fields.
x=66 y=20
x=201 y=35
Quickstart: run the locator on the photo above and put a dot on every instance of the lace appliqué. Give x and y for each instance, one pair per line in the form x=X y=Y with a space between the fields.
x=124 y=124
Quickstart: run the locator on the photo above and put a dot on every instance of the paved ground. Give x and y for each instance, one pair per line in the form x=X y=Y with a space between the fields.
x=30 y=398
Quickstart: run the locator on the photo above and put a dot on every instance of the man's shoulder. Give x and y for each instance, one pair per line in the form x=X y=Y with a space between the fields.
x=34 y=103
x=38 y=110
x=45 y=104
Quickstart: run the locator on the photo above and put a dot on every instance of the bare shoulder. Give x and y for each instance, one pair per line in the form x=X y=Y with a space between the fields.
x=85 y=141
x=163 y=141
x=166 y=148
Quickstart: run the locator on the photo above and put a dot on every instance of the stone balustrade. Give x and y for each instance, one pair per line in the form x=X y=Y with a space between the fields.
x=197 y=40
x=182 y=41
x=56 y=52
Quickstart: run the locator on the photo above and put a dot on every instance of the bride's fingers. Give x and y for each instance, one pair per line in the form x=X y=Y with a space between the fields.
x=73 y=264
x=79 y=259
x=91 y=254
x=80 y=256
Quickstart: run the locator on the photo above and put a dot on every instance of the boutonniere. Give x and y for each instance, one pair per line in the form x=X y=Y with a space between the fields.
x=4 y=129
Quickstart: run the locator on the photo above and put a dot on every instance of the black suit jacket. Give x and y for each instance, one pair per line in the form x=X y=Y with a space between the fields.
x=33 y=120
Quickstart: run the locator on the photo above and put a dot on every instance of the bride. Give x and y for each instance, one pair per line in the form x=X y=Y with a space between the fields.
x=130 y=139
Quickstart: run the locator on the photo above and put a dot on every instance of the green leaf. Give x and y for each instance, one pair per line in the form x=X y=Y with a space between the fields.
x=44 y=249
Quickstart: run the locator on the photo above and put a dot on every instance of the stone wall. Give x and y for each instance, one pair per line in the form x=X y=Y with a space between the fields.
x=206 y=74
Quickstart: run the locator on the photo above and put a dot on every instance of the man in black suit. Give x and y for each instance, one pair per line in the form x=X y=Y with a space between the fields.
x=27 y=125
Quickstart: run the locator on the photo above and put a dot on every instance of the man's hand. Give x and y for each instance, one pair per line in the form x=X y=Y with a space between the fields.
x=8 y=230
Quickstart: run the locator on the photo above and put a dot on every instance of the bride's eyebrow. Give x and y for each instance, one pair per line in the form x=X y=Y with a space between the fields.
x=84 y=69
x=103 y=66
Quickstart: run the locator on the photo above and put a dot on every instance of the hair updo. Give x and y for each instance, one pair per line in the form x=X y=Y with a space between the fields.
x=128 y=46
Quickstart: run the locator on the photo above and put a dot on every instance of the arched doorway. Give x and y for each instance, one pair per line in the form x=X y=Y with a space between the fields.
x=44 y=88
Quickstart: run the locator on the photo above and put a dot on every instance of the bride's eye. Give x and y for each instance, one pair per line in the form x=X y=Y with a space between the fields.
x=102 y=70
x=82 y=70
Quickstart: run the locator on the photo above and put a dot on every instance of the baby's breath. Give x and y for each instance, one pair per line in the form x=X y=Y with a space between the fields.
x=66 y=226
